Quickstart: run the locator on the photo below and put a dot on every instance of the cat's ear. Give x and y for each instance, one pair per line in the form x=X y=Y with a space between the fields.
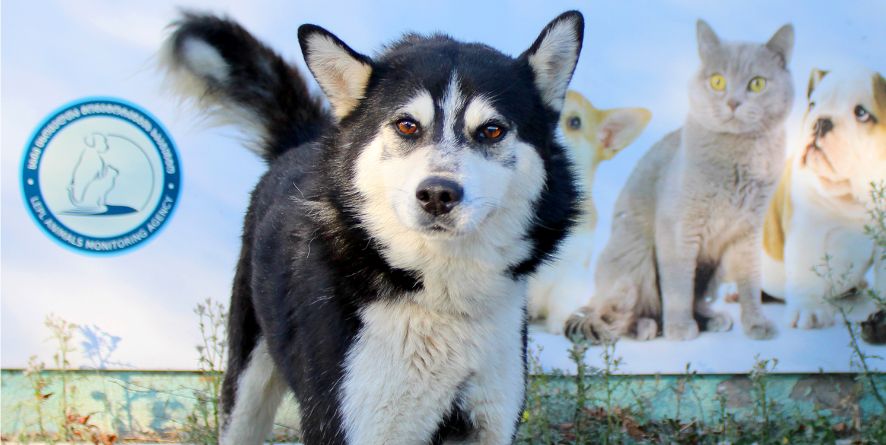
x=618 y=128
x=554 y=55
x=341 y=72
x=782 y=43
x=708 y=42
x=814 y=79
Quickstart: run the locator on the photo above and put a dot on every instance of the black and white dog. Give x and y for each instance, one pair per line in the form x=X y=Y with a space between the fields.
x=385 y=251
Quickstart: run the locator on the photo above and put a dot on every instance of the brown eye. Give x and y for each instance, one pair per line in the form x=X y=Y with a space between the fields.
x=407 y=127
x=490 y=133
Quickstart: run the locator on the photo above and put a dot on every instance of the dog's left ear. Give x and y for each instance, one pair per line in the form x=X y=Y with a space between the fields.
x=341 y=72
x=814 y=79
x=554 y=55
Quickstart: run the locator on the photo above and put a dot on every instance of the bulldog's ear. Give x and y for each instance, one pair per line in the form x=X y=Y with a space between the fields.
x=782 y=43
x=341 y=72
x=554 y=55
x=814 y=79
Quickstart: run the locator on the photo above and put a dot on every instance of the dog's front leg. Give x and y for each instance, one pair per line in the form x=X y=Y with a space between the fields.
x=821 y=264
x=401 y=375
x=494 y=396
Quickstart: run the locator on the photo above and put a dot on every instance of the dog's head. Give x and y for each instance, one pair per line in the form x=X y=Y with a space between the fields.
x=845 y=131
x=445 y=139
x=594 y=135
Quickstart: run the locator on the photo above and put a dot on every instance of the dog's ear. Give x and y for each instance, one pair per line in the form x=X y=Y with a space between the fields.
x=782 y=43
x=341 y=72
x=880 y=95
x=554 y=55
x=814 y=79
x=619 y=127
x=708 y=42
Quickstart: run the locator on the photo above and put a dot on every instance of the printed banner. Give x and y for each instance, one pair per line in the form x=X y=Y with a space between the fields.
x=731 y=158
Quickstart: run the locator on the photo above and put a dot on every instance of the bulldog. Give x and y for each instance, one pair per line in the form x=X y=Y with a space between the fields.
x=815 y=247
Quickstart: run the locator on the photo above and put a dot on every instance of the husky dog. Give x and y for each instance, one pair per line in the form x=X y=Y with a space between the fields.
x=823 y=200
x=691 y=214
x=592 y=136
x=385 y=252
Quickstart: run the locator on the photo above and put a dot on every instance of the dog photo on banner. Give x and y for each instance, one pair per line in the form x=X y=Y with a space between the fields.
x=488 y=223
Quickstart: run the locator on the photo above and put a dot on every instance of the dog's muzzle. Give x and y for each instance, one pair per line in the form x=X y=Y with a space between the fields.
x=438 y=195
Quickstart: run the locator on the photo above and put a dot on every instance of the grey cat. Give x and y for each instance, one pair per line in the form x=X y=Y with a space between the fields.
x=690 y=216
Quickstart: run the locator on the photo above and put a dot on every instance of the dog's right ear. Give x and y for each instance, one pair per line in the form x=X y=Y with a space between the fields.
x=619 y=127
x=814 y=79
x=341 y=72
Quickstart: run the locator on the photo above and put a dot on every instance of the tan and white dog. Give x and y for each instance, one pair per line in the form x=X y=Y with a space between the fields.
x=591 y=136
x=823 y=199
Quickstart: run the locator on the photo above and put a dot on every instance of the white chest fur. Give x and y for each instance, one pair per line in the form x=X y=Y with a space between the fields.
x=410 y=363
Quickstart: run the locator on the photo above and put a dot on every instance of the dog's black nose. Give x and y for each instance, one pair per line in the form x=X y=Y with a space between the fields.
x=822 y=126
x=438 y=195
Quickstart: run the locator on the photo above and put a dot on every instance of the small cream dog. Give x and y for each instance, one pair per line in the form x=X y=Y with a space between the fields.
x=592 y=136
x=823 y=198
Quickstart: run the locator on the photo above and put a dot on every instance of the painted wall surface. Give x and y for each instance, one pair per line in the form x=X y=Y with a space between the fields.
x=141 y=301
x=156 y=404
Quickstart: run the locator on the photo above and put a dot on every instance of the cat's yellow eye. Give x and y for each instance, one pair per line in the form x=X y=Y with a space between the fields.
x=757 y=84
x=718 y=82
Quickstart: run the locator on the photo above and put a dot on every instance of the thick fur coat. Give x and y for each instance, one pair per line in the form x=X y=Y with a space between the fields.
x=385 y=251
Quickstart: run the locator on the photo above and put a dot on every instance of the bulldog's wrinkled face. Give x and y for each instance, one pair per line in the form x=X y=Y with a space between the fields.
x=845 y=127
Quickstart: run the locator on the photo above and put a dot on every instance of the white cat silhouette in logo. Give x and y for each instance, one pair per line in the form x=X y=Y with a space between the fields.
x=93 y=179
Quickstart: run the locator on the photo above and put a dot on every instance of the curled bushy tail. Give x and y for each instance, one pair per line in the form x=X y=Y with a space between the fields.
x=238 y=80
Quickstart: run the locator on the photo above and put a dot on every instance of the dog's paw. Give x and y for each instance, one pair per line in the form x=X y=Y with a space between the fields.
x=719 y=322
x=681 y=330
x=813 y=316
x=758 y=327
x=646 y=329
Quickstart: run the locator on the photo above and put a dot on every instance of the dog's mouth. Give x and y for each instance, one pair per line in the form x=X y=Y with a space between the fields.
x=815 y=150
x=441 y=230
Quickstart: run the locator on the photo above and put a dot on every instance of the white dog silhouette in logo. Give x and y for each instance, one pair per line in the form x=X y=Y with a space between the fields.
x=92 y=178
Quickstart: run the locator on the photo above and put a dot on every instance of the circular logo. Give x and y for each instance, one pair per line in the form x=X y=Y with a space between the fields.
x=100 y=175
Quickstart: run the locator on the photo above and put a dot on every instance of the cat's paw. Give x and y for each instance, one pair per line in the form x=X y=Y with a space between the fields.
x=646 y=329
x=556 y=324
x=758 y=327
x=681 y=330
x=719 y=322
x=810 y=316
x=585 y=324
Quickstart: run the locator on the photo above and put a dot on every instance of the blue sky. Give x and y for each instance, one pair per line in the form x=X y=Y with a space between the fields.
x=636 y=53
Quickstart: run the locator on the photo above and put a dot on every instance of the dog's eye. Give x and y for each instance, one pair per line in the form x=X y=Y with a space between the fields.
x=575 y=123
x=490 y=133
x=862 y=115
x=407 y=127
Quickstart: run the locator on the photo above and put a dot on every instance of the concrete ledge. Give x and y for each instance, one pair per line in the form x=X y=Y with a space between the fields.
x=157 y=404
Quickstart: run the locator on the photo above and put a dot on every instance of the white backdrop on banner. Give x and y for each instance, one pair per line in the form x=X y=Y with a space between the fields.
x=636 y=53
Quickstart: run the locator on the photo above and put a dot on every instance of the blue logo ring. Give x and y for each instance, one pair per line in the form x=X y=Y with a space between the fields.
x=91 y=189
